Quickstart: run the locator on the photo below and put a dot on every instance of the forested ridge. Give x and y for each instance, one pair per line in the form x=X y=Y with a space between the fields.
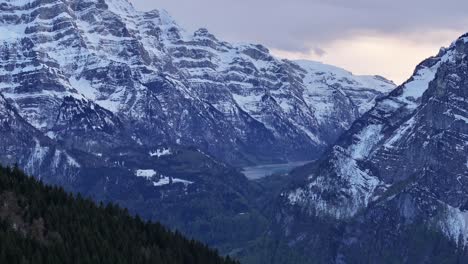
x=44 y=224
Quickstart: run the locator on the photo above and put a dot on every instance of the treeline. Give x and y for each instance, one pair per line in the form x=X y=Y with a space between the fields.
x=44 y=224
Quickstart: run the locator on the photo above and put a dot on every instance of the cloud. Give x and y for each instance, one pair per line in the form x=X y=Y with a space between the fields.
x=289 y=24
x=319 y=52
x=314 y=26
x=388 y=56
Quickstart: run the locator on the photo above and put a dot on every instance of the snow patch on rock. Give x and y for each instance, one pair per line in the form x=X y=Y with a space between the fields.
x=148 y=174
x=161 y=152
x=164 y=180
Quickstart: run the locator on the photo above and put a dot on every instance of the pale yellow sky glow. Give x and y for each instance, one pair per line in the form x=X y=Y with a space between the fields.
x=394 y=57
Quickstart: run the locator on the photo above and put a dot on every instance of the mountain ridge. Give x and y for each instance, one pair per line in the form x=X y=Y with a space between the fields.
x=138 y=64
x=394 y=181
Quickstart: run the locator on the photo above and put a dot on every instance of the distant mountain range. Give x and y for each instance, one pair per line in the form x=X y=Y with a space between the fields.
x=126 y=106
x=98 y=75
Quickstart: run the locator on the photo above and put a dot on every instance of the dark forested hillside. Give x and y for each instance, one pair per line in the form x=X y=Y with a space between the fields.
x=43 y=224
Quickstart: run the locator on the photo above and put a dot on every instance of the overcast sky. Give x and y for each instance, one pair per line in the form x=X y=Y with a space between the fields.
x=386 y=37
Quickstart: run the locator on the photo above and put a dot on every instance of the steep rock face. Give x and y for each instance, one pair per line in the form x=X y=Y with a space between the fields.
x=166 y=86
x=22 y=144
x=396 y=180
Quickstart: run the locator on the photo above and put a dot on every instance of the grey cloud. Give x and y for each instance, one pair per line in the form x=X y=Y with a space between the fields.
x=302 y=25
x=319 y=52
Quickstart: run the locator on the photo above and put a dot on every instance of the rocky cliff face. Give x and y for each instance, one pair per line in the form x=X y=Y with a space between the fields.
x=21 y=144
x=394 y=186
x=86 y=69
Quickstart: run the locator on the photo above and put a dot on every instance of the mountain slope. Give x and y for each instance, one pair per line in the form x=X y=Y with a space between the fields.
x=42 y=224
x=161 y=85
x=181 y=187
x=125 y=93
x=22 y=144
x=393 y=187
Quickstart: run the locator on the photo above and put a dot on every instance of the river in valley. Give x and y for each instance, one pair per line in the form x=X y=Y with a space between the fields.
x=262 y=171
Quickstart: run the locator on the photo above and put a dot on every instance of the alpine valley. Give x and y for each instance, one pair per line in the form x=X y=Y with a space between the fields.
x=126 y=106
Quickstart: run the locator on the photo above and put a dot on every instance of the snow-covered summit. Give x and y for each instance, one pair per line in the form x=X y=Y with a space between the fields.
x=141 y=68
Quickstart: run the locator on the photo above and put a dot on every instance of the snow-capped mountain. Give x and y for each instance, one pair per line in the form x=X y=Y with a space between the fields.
x=96 y=75
x=394 y=185
x=107 y=101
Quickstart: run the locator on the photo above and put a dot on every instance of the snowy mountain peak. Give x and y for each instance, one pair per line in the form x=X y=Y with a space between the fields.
x=203 y=33
x=173 y=87
x=120 y=7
